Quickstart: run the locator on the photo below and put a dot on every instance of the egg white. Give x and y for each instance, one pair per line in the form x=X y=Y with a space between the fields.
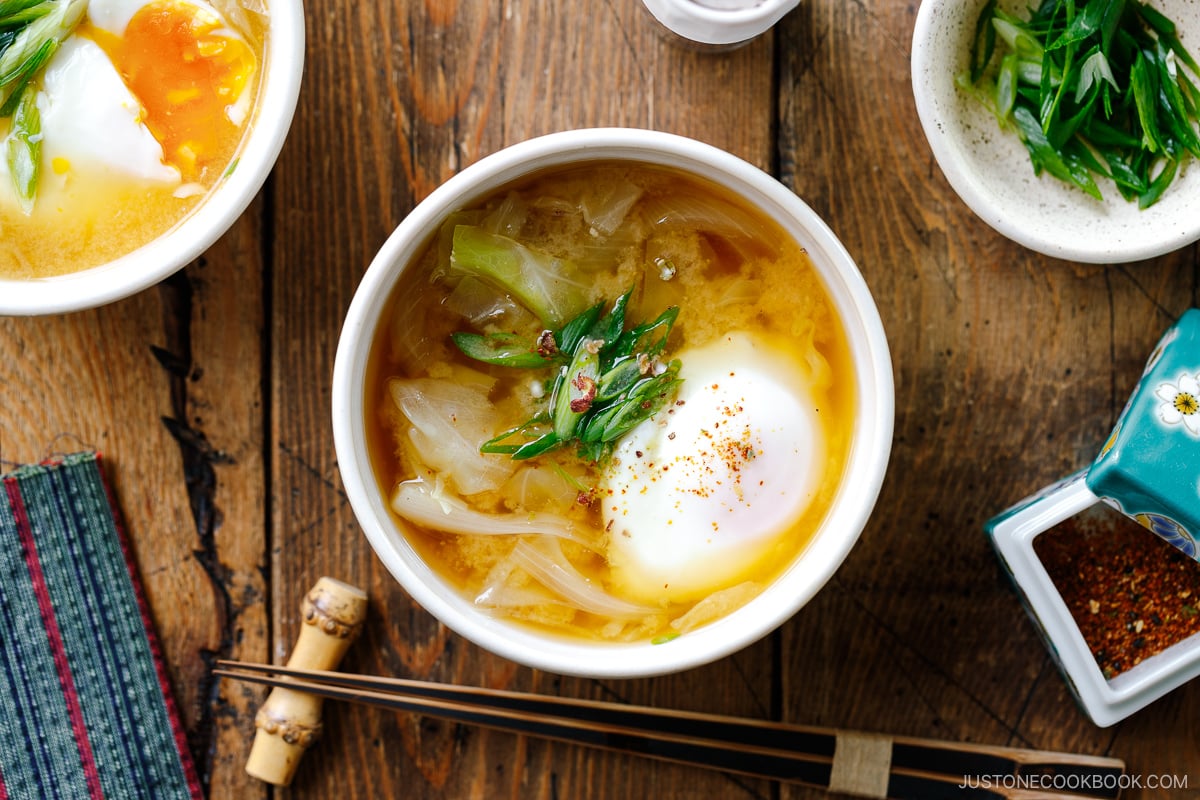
x=90 y=120
x=114 y=15
x=703 y=492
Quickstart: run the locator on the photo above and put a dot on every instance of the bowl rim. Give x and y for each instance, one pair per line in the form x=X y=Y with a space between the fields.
x=1164 y=228
x=851 y=507
x=212 y=218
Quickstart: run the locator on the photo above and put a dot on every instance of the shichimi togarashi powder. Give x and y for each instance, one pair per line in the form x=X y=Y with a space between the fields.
x=1132 y=594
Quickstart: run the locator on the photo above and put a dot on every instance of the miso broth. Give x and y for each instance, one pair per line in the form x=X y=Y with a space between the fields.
x=558 y=557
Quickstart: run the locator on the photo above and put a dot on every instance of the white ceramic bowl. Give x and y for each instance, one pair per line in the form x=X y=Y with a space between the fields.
x=850 y=509
x=991 y=171
x=173 y=250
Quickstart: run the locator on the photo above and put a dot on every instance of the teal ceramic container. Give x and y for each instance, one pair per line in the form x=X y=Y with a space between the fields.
x=1150 y=467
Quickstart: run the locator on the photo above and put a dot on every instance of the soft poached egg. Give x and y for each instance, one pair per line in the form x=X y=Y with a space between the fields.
x=146 y=91
x=186 y=65
x=90 y=119
x=705 y=491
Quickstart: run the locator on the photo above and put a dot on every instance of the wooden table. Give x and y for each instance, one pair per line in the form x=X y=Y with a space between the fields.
x=209 y=396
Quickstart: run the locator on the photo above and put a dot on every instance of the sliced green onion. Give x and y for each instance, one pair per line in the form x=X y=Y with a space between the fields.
x=501 y=349
x=607 y=379
x=577 y=389
x=32 y=31
x=53 y=26
x=23 y=148
x=1103 y=82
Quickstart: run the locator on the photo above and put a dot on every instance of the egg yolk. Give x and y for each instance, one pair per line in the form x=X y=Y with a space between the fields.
x=187 y=68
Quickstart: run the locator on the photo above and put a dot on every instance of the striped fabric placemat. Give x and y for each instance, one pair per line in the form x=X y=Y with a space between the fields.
x=85 y=709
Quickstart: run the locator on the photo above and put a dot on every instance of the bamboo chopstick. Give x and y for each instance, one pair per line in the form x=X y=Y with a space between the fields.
x=859 y=764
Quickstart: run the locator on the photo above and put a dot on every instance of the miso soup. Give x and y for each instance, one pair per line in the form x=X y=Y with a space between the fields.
x=610 y=400
x=138 y=112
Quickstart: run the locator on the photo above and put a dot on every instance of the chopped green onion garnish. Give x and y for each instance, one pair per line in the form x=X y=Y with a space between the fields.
x=606 y=380
x=1092 y=88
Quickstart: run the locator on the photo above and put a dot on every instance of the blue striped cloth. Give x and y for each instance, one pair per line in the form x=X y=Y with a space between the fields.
x=85 y=709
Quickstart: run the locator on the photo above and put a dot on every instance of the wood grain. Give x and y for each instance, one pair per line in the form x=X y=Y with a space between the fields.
x=209 y=396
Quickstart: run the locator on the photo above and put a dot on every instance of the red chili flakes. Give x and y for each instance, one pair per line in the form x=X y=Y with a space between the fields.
x=587 y=393
x=546 y=347
x=1132 y=594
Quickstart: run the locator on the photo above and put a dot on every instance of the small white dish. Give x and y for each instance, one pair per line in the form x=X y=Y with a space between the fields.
x=1106 y=701
x=782 y=597
x=186 y=241
x=719 y=22
x=990 y=169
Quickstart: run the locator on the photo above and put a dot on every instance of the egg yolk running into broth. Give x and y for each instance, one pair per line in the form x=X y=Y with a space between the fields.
x=188 y=69
x=704 y=499
x=179 y=71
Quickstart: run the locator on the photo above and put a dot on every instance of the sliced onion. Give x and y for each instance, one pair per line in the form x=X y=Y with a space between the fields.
x=546 y=563
x=186 y=190
x=450 y=420
x=483 y=305
x=557 y=206
x=539 y=487
x=409 y=345
x=739 y=228
x=502 y=591
x=419 y=501
x=234 y=12
x=593 y=258
x=740 y=292
x=605 y=210
x=508 y=218
x=716 y=605
x=820 y=374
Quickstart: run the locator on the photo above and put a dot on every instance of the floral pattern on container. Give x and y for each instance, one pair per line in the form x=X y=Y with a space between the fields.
x=1180 y=403
x=1169 y=530
x=1112 y=438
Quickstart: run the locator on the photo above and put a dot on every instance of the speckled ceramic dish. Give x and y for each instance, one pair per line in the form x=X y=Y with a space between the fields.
x=990 y=168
